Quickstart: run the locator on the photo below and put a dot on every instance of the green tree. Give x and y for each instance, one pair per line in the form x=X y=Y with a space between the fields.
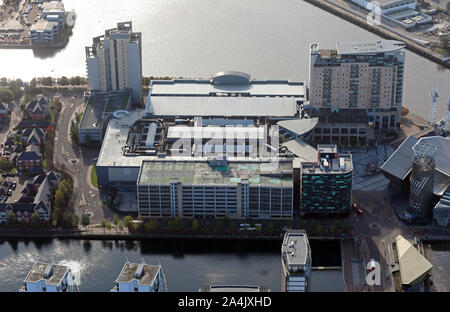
x=85 y=219
x=115 y=220
x=104 y=221
x=220 y=226
x=11 y=220
x=128 y=221
x=33 y=84
x=108 y=226
x=153 y=225
x=195 y=225
x=63 y=81
x=5 y=165
x=47 y=81
x=120 y=225
x=35 y=220
x=6 y=95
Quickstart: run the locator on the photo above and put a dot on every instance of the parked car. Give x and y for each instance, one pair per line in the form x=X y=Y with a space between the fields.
x=9 y=192
x=14 y=185
x=359 y=211
x=4 y=175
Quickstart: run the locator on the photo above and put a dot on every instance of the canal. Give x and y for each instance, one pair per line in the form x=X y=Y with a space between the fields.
x=187 y=265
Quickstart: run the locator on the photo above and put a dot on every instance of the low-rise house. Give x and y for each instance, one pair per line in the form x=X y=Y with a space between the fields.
x=35 y=136
x=24 y=211
x=37 y=109
x=30 y=161
x=25 y=124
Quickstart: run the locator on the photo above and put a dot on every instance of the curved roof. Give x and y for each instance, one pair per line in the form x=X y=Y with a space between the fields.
x=299 y=126
x=230 y=78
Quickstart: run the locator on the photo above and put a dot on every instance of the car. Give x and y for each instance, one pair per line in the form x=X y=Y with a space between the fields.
x=4 y=175
x=9 y=192
x=14 y=185
x=359 y=211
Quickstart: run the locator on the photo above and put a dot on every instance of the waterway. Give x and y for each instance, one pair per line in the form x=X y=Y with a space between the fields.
x=197 y=38
x=187 y=265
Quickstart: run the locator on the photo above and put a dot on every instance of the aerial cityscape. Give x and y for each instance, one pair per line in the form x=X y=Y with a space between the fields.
x=167 y=146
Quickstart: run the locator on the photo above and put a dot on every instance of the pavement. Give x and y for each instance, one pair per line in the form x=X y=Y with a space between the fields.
x=78 y=161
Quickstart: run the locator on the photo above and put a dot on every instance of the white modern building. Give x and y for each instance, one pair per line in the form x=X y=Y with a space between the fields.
x=388 y=6
x=45 y=277
x=295 y=262
x=50 y=23
x=140 y=278
x=114 y=61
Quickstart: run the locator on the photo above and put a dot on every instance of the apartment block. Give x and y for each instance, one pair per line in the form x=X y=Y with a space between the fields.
x=114 y=61
x=358 y=80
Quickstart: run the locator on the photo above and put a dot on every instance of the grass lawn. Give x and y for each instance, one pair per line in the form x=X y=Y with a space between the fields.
x=94 y=177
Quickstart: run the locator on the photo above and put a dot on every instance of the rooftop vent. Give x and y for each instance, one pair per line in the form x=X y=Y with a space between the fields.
x=139 y=271
x=48 y=271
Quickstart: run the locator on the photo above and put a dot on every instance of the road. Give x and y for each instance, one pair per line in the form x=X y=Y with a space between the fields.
x=78 y=161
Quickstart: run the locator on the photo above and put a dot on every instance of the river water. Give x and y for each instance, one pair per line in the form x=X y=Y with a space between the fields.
x=197 y=38
x=187 y=265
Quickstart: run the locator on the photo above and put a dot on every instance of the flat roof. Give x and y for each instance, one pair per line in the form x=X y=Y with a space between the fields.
x=222 y=106
x=234 y=288
x=334 y=166
x=299 y=126
x=384 y=3
x=304 y=151
x=295 y=248
x=206 y=87
x=186 y=132
x=100 y=103
x=129 y=270
x=37 y=273
x=201 y=173
x=368 y=47
x=43 y=25
x=403 y=14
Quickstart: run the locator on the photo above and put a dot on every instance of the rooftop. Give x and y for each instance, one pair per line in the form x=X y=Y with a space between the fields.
x=399 y=164
x=225 y=94
x=202 y=173
x=413 y=265
x=54 y=278
x=222 y=106
x=143 y=273
x=100 y=103
x=52 y=6
x=299 y=126
x=43 y=25
x=295 y=249
x=304 y=151
x=368 y=47
x=233 y=288
x=342 y=164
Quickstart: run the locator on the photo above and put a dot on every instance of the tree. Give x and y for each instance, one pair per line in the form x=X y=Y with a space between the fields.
x=6 y=95
x=33 y=84
x=5 y=165
x=128 y=221
x=63 y=81
x=115 y=220
x=120 y=225
x=195 y=225
x=108 y=226
x=220 y=226
x=153 y=225
x=104 y=223
x=35 y=220
x=11 y=220
x=85 y=219
x=47 y=81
